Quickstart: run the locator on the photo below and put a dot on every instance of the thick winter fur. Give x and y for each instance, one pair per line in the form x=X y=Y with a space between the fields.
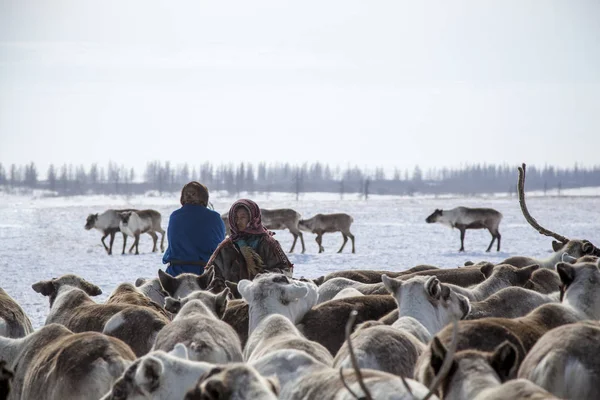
x=235 y=382
x=477 y=375
x=325 y=384
x=134 y=223
x=544 y=281
x=277 y=294
x=425 y=302
x=511 y=302
x=152 y=288
x=347 y=292
x=6 y=376
x=18 y=353
x=216 y=303
x=236 y=316
x=78 y=366
x=275 y=333
x=183 y=284
x=580 y=300
x=573 y=248
x=383 y=348
x=14 y=323
x=372 y=276
x=71 y=306
x=205 y=336
x=565 y=361
x=327 y=223
x=126 y=293
x=159 y=376
x=463 y=277
x=108 y=224
x=503 y=276
x=326 y=323
x=465 y=218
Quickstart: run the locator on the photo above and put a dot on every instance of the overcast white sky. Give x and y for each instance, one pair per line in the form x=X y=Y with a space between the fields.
x=434 y=83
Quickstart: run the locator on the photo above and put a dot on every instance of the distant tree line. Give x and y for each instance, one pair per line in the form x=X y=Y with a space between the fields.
x=160 y=176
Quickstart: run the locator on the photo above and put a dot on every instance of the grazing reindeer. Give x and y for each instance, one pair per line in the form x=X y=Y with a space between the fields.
x=325 y=223
x=108 y=224
x=134 y=223
x=281 y=218
x=465 y=218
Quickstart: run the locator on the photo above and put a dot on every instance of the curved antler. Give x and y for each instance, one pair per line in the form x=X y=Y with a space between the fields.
x=528 y=217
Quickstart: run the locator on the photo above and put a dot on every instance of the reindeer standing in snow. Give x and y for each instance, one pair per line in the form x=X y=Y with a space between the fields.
x=465 y=218
x=134 y=223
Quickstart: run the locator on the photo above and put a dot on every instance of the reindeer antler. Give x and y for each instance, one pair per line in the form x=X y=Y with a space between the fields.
x=528 y=217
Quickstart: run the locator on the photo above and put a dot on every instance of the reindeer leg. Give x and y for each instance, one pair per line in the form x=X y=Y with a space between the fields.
x=352 y=238
x=112 y=239
x=133 y=245
x=498 y=236
x=124 y=243
x=343 y=244
x=462 y=239
x=136 y=243
x=154 y=239
x=294 y=243
x=104 y=244
x=302 y=241
x=319 y=240
x=162 y=240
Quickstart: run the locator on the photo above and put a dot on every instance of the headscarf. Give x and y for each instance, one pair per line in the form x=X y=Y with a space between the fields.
x=255 y=226
x=194 y=193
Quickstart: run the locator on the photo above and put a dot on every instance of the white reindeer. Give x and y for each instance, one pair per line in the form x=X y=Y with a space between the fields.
x=134 y=223
x=465 y=218
x=108 y=224
x=327 y=223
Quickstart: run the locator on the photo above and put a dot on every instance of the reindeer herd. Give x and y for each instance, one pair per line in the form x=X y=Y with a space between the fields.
x=523 y=328
x=131 y=222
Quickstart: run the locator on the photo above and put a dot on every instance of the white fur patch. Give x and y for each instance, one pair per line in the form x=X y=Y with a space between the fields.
x=347 y=292
x=114 y=323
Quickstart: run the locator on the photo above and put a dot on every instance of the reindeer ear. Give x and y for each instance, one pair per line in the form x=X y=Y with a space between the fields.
x=438 y=354
x=587 y=247
x=46 y=288
x=556 y=246
x=168 y=283
x=392 y=285
x=90 y=288
x=233 y=289
x=148 y=373
x=487 y=269
x=221 y=302
x=525 y=273
x=204 y=279
x=244 y=289
x=433 y=287
x=180 y=351
x=273 y=382
x=172 y=305
x=566 y=272
x=504 y=361
x=140 y=281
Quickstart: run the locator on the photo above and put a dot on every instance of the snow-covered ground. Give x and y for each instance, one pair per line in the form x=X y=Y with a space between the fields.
x=43 y=237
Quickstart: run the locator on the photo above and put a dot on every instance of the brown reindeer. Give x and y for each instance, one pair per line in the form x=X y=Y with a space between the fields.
x=108 y=224
x=278 y=219
x=134 y=223
x=465 y=218
x=326 y=223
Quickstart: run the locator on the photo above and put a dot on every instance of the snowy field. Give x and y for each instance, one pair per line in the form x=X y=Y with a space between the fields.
x=43 y=237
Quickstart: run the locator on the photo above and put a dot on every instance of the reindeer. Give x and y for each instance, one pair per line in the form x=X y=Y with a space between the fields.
x=134 y=223
x=465 y=218
x=281 y=218
x=108 y=224
x=327 y=223
x=14 y=323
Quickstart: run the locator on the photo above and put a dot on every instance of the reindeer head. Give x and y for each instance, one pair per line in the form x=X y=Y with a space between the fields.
x=277 y=294
x=435 y=303
x=90 y=222
x=305 y=225
x=575 y=248
x=184 y=284
x=216 y=303
x=234 y=381
x=124 y=217
x=513 y=276
x=434 y=217
x=51 y=288
x=581 y=287
x=471 y=366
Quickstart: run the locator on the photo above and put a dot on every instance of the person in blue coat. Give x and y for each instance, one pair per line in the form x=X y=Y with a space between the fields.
x=194 y=232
